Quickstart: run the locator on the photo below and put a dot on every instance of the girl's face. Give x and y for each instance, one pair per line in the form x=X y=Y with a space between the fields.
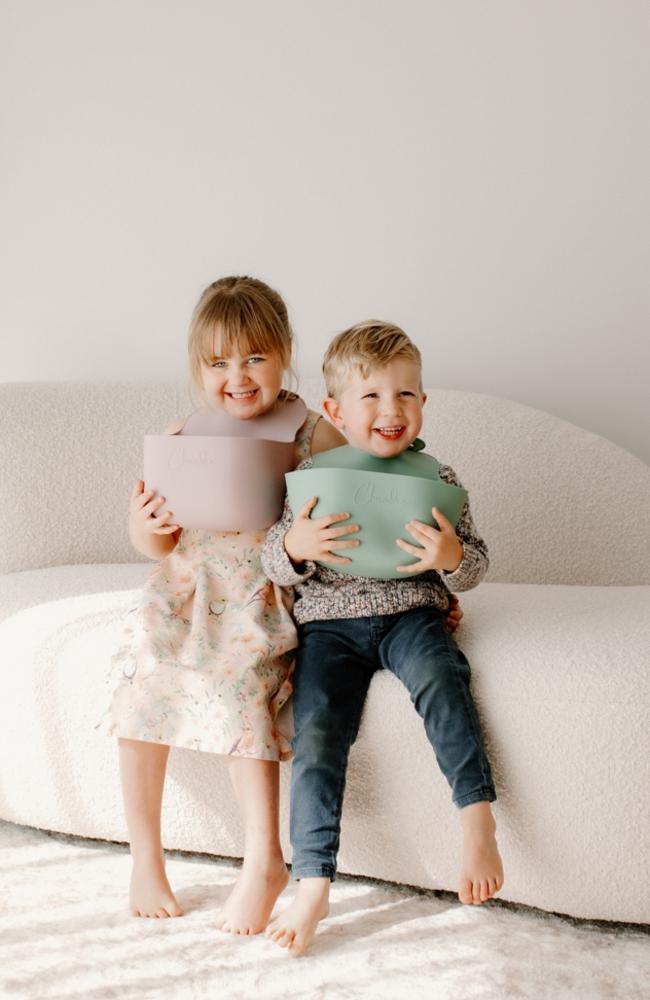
x=244 y=385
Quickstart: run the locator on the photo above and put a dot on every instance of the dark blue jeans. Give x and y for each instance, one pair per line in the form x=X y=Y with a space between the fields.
x=335 y=663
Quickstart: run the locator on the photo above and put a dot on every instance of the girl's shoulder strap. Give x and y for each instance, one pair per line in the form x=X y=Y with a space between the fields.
x=305 y=434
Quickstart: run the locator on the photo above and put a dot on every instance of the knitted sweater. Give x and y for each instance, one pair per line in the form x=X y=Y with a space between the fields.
x=322 y=593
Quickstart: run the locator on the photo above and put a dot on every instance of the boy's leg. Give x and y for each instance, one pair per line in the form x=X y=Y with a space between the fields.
x=331 y=680
x=142 y=770
x=264 y=874
x=418 y=650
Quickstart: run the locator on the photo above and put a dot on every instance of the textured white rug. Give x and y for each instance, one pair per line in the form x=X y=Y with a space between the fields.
x=66 y=934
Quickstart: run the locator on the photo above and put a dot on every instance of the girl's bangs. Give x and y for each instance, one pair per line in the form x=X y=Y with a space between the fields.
x=238 y=330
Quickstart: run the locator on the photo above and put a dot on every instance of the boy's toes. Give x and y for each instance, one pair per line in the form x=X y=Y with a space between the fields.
x=465 y=892
x=485 y=891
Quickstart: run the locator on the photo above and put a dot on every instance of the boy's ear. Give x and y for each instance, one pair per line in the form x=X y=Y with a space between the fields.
x=424 y=398
x=333 y=411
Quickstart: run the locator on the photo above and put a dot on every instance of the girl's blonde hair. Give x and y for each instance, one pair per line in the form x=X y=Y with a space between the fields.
x=242 y=314
x=363 y=347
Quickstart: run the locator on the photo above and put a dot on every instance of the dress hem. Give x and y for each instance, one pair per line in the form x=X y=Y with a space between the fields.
x=111 y=729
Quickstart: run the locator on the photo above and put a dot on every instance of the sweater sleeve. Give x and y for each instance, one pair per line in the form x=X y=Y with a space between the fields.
x=275 y=561
x=474 y=564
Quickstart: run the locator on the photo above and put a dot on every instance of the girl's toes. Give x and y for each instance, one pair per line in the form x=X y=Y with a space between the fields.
x=485 y=891
x=476 y=892
x=297 y=947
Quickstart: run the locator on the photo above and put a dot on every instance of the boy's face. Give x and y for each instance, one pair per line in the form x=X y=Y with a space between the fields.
x=381 y=414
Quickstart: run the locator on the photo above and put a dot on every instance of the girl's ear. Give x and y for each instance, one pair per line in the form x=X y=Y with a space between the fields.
x=333 y=411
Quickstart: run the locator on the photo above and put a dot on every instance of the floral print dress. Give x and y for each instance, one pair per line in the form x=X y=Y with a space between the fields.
x=207 y=652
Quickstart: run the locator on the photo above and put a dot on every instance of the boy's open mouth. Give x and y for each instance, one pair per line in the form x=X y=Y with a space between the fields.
x=389 y=433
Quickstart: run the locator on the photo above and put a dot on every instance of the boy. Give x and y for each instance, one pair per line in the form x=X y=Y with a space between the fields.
x=350 y=626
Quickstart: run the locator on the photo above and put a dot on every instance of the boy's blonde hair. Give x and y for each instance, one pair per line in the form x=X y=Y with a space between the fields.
x=365 y=346
x=242 y=314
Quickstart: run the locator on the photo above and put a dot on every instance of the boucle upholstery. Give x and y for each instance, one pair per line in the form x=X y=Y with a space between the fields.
x=559 y=672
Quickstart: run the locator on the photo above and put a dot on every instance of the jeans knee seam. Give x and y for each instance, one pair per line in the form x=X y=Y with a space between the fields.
x=472 y=714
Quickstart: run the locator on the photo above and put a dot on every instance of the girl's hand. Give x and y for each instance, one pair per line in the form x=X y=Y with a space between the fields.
x=145 y=512
x=454 y=614
x=314 y=540
x=440 y=548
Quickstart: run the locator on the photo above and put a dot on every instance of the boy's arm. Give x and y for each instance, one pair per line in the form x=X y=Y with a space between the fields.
x=275 y=560
x=474 y=564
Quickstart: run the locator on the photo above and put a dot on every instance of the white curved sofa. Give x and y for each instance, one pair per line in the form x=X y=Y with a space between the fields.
x=558 y=639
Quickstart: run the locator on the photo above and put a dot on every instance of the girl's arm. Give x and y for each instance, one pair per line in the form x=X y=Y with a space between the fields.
x=151 y=531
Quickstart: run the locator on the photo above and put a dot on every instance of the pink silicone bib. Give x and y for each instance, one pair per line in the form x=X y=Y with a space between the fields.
x=224 y=474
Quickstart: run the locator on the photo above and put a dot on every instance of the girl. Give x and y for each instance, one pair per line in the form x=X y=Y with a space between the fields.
x=207 y=653
x=206 y=657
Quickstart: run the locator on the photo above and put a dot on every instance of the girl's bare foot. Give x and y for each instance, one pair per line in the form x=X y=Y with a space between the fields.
x=249 y=905
x=151 y=894
x=482 y=869
x=295 y=928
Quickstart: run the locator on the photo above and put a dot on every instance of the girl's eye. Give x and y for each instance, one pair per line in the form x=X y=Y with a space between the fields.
x=370 y=395
x=255 y=359
x=218 y=364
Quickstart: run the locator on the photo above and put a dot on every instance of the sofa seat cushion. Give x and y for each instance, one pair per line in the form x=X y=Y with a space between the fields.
x=560 y=679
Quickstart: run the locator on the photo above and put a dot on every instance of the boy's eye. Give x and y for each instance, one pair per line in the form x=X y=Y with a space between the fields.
x=371 y=395
x=407 y=392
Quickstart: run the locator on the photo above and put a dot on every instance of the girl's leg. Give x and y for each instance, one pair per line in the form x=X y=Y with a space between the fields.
x=142 y=769
x=264 y=874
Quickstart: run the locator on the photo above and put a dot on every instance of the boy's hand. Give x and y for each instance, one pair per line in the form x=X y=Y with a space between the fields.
x=144 y=512
x=454 y=614
x=440 y=547
x=314 y=540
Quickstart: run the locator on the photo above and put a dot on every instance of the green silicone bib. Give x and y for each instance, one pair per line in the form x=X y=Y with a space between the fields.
x=381 y=495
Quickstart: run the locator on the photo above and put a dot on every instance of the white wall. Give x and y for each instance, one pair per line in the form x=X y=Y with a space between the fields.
x=475 y=171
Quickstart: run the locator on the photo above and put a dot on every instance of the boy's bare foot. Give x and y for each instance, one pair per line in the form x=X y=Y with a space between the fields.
x=249 y=905
x=295 y=928
x=482 y=870
x=150 y=894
